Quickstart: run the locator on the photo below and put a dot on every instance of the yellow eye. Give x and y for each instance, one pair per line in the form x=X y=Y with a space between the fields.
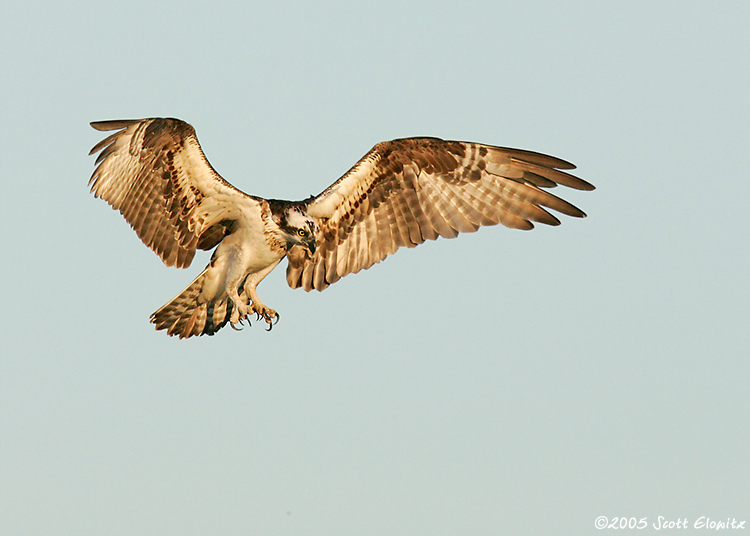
x=302 y=232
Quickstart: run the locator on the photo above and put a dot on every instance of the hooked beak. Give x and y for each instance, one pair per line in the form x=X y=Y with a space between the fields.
x=310 y=244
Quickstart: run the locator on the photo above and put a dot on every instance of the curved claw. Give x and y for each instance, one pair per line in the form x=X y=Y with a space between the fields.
x=269 y=320
x=234 y=326
x=277 y=319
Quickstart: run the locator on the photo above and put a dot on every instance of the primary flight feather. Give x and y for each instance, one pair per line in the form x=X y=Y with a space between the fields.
x=401 y=193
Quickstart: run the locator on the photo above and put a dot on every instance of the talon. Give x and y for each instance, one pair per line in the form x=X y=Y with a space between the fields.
x=277 y=318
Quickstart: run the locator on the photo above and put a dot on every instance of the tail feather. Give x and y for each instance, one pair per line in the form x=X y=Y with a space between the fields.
x=188 y=314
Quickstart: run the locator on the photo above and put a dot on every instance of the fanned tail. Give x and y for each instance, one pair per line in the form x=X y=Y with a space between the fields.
x=188 y=314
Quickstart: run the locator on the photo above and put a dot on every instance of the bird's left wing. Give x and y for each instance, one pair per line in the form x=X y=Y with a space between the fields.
x=155 y=173
x=404 y=192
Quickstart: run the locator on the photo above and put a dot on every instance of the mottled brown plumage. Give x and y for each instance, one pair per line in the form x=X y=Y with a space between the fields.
x=407 y=191
x=141 y=173
x=399 y=194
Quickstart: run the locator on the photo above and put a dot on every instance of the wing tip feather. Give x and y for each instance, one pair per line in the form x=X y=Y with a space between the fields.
x=112 y=124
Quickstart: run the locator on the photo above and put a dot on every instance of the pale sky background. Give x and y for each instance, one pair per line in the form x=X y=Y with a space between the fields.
x=505 y=382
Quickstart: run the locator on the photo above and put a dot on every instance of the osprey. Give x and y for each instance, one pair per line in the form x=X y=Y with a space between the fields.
x=401 y=193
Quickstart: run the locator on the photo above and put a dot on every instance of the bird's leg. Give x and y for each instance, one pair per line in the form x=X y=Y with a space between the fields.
x=257 y=306
x=263 y=312
x=242 y=308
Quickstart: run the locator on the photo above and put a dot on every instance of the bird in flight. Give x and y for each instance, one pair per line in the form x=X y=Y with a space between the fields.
x=401 y=193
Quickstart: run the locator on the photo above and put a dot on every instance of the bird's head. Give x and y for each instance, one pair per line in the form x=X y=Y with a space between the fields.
x=297 y=226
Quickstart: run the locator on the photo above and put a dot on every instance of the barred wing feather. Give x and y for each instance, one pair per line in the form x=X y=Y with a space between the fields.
x=155 y=173
x=406 y=191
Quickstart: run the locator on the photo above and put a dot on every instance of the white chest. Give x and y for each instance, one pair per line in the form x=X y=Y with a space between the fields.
x=244 y=252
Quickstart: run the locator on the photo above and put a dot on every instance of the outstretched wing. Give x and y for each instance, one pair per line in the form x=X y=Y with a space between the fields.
x=404 y=192
x=155 y=173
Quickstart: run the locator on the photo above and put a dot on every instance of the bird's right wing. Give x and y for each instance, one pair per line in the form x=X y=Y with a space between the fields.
x=155 y=173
